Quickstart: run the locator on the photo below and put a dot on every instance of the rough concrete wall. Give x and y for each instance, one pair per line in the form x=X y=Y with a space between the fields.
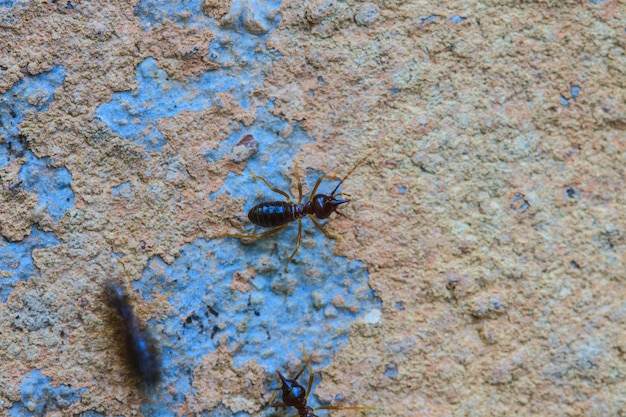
x=478 y=270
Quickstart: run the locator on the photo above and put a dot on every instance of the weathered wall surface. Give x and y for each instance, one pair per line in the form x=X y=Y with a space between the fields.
x=478 y=270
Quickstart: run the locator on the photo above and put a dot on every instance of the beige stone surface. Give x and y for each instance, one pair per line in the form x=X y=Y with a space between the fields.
x=503 y=293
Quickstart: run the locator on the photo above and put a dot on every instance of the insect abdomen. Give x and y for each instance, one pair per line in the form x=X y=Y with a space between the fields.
x=273 y=213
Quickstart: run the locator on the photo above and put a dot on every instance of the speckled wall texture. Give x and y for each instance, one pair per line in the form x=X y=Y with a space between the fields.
x=478 y=270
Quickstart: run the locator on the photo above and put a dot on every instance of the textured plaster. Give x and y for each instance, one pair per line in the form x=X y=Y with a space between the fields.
x=485 y=233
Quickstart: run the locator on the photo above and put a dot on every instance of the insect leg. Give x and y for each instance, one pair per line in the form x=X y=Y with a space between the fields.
x=311 y=375
x=307 y=362
x=272 y=403
x=319 y=226
x=260 y=235
x=299 y=183
x=298 y=238
x=276 y=190
x=319 y=181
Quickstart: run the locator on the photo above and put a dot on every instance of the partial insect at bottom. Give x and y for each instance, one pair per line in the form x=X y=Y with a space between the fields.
x=294 y=394
x=279 y=214
x=142 y=348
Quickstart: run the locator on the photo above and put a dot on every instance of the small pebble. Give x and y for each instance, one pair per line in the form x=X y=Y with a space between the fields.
x=252 y=24
x=244 y=149
x=339 y=301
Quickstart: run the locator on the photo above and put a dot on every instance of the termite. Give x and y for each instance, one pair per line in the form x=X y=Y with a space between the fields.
x=142 y=348
x=294 y=394
x=279 y=214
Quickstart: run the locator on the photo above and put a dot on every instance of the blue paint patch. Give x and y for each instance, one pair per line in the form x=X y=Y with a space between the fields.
x=428 y=19
x=134 y=115
x=52 y=185
x=391 y=370
x=564 y=102
x=395 y=90
x=30 y=93
x=16 y=259
x=7 y=3
x=457 y=19
x=271 y=320
x=574 y=91
x=123 y=190
x=520 y=203
x=524 y=207
x=40 y=398
x=189 y=13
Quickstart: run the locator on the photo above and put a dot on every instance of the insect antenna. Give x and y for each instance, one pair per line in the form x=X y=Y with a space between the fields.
x=351 y=171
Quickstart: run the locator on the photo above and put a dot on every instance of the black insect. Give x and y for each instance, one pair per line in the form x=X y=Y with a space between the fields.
x=294 y=394
x=143 y=350
x=279 y=214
